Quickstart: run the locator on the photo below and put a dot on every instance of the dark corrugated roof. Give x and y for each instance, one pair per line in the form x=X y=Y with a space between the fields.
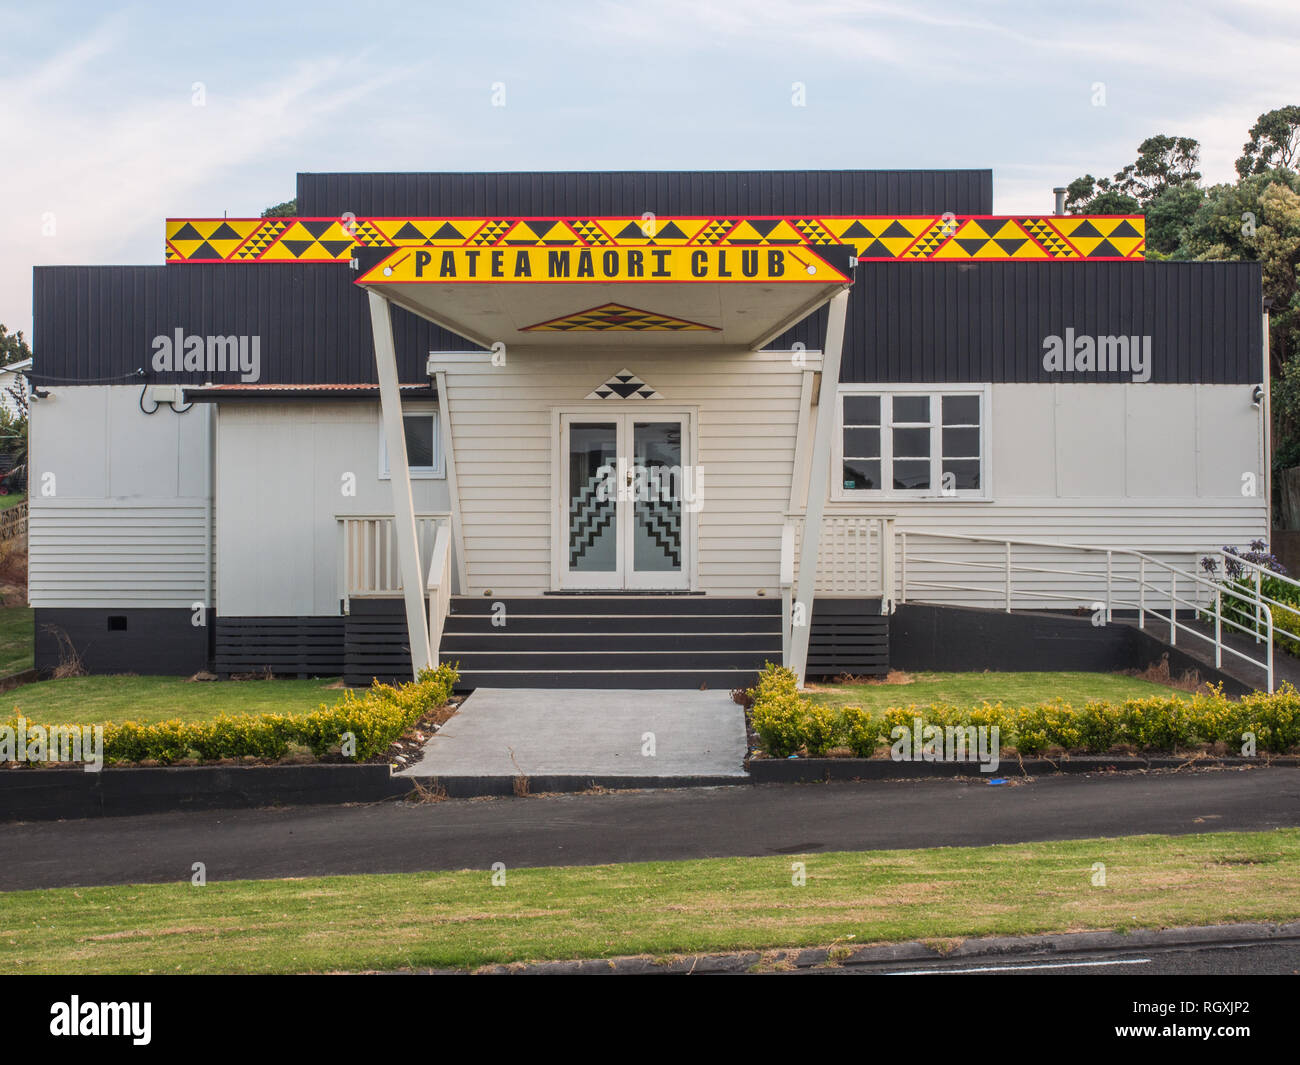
x=633 y=192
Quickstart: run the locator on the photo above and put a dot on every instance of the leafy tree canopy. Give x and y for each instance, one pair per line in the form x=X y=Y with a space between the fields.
x=1161 y=183
x=13 y=347
x=288 y=209
x=1274 y=142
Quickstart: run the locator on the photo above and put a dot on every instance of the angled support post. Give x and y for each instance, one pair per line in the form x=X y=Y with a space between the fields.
x=408 y=549
x=818 y=486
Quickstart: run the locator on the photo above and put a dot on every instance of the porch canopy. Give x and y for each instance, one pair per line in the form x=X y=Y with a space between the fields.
x=548 y=289
x=543 y=295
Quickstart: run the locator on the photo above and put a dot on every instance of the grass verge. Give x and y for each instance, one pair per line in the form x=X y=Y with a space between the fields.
x=99 y=699
x=971 y=689
x=17 y=638
x=461 y=920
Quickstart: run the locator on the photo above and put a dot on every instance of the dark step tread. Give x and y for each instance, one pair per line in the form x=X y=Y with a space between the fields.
x=595 y=605
x=503 y=641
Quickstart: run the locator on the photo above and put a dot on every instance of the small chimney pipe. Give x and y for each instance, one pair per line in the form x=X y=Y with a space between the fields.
x=1060 y=200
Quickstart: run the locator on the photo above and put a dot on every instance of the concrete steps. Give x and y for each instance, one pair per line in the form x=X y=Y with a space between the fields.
x=614 y=641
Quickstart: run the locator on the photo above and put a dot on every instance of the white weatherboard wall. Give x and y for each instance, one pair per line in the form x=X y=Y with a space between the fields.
x=1157 y=468
x=280 y=470
x=747 y=407
x=127 y=523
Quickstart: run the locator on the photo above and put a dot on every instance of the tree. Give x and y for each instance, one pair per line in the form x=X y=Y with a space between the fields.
x=13 y=422
x=1163 y=163
x=1161 y=183
x=1274 y=142
x=13 y=348
x=1168 y=215
x=288 y=209
x=1257 y=219
x=1090 y=195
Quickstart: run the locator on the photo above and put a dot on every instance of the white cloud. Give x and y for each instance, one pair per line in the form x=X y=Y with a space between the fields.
x=109 y=174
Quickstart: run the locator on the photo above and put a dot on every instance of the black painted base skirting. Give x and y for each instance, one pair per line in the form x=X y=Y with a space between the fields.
x=848 y=636
x=127 y=640
x=375 y=642
x=966 y=639
x=286 y=646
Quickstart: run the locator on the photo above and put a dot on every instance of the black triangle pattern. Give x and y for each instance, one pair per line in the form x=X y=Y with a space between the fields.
x=624 y=385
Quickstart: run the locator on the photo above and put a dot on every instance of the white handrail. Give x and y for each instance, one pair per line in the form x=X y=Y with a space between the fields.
x=368 y=563
x=787 y=588
x=1262 y=604
x=439 y=589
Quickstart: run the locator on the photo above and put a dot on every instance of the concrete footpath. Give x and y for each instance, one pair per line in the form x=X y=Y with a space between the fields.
x=507 y=732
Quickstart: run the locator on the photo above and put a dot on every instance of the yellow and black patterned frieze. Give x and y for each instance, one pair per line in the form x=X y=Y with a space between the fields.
x=879 y=238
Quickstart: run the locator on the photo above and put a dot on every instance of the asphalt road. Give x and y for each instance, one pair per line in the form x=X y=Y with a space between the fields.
x=1254 y=959
x=639 y=826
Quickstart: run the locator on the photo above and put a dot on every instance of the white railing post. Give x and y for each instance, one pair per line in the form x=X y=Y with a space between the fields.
x=902 y=568
x=787 y=587
x=439 y=589
x=1109 y=617
x=1258 y=604
x=1142 y=593
x=1269 y=612
x=1008 y=576
x=1173 y=607
x=889 y=592
x=1218 y=628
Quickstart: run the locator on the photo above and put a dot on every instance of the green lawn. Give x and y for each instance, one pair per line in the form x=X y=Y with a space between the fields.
x=461 y=920
x=88 y=700
x=12 y=500
x=971 y=689
x=16 y=639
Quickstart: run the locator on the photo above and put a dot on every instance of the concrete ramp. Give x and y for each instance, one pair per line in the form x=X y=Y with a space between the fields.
x=615 y=733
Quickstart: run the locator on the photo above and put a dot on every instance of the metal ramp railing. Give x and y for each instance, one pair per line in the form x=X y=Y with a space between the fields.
x=1245 y=600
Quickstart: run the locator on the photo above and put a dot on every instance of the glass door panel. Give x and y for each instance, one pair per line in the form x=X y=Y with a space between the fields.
x=657 y=491
x=592 y=551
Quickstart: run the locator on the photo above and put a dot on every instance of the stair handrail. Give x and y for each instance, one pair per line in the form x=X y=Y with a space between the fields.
x=1263 y=604
x=438 y=587
x=787 y=588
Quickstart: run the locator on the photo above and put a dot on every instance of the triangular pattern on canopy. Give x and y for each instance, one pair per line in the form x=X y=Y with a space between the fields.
x=624 y=385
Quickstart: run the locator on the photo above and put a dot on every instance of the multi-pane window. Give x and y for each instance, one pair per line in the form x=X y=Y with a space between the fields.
x=912 y=443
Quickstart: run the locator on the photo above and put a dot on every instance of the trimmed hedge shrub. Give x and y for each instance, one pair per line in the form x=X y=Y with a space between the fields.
x=374 y=718
x=787 y=722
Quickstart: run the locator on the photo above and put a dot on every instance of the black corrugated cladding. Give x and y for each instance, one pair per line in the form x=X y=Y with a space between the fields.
x=907 y=321
x=632 y=193
x=988 y=321
x=98 y=323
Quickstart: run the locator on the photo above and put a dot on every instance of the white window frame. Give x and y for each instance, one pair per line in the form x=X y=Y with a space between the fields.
x=886 y=393
x=434 y=472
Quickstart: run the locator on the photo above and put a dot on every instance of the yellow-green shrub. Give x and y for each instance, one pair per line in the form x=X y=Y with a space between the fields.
x=375 y=718
x=862 y=733
x=786 y=722
x=821 y=729
x=779 y=719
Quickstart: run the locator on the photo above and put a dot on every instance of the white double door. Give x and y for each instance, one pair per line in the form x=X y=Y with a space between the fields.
x=627 y=495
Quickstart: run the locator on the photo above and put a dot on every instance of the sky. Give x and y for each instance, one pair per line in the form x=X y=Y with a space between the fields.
x=113 y=118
